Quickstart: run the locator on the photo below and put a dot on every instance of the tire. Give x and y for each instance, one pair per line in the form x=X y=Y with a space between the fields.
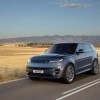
x=69 y=74
x=95 y=67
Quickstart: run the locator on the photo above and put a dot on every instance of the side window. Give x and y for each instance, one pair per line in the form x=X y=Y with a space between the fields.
x=92 y=47
x=80 y=46
x=87 y=48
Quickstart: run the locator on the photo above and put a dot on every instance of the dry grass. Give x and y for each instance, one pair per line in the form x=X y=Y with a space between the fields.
x=13 y=60
x=98 y=50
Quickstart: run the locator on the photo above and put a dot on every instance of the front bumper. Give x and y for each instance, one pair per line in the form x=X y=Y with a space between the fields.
x=50 y=70
x=47 y=72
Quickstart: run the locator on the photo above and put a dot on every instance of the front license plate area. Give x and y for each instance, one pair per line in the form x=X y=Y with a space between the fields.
x=38 y=71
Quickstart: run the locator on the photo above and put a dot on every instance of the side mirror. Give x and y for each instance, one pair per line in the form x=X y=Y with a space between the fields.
x=80 y=51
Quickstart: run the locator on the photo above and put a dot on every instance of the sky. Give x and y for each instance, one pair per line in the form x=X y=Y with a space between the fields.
x=22 y=18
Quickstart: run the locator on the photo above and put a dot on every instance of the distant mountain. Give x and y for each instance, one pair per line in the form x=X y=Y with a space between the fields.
x=53 y=39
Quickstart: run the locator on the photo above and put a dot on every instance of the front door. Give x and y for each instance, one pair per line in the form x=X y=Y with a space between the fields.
x=82 y=60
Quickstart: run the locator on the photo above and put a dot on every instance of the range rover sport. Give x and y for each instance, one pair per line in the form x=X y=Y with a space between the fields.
x=64 y=60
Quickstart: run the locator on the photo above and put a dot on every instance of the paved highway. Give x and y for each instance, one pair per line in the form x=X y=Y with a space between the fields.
x=85 y=87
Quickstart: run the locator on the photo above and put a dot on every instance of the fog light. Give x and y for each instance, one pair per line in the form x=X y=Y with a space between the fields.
x=57 y=71
x=54 y=73
x=27 y=69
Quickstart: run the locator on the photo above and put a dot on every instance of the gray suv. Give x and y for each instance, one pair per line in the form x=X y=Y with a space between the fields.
x=64 y=60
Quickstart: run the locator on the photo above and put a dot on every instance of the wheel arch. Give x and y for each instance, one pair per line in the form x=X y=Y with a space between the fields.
x=71 y=64
x=94 y=60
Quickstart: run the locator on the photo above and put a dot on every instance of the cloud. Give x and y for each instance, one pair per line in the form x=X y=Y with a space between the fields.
x=73 y=4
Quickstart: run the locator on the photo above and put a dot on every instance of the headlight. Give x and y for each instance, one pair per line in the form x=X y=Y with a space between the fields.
x=29 y=60
x=56 y=60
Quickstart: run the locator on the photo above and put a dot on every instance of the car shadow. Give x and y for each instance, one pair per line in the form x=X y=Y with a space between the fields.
x=77 y=78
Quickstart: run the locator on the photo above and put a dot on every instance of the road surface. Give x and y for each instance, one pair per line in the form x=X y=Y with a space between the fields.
x=85 y=87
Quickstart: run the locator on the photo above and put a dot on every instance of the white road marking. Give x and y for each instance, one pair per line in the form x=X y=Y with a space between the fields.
x=65 y=96
x=12 y=81
x=80 y=86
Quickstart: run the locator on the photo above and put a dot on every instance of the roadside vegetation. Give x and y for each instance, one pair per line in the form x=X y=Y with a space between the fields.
x=37 y=45
x=7 y=73
x=13 y=60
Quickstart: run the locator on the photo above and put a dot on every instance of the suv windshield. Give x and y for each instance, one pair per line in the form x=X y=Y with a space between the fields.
x=63 y=48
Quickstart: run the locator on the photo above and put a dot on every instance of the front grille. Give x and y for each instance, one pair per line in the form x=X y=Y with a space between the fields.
x=40 y=61
x=39 y=68
x=40 y=75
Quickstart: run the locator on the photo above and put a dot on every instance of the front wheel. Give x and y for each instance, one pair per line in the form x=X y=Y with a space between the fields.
x=69 y=74
x=95 y=68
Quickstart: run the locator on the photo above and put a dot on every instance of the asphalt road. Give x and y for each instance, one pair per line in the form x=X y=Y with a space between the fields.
x=85 y=87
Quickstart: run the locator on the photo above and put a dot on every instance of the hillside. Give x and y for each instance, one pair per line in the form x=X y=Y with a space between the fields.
x=53 y=39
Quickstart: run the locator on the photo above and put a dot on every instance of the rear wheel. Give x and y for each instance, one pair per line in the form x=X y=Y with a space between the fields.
x=69 y=74
x=95 y=68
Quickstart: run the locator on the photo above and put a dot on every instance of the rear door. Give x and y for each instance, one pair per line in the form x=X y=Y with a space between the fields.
x=88 y=55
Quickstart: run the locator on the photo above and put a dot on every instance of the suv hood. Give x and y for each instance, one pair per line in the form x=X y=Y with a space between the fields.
x=47 y=57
